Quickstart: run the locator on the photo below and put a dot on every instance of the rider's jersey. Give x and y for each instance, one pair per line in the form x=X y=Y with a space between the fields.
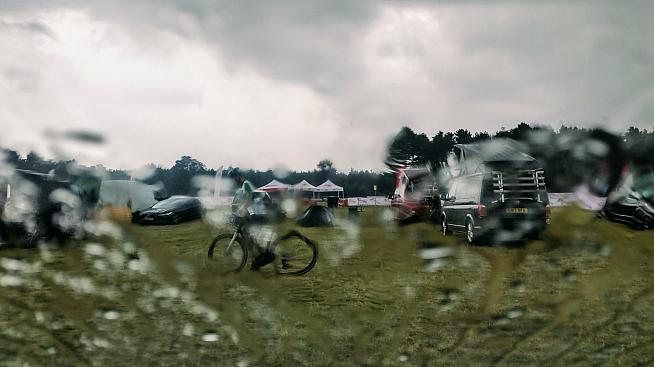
x=257 y=207
x=247 y=187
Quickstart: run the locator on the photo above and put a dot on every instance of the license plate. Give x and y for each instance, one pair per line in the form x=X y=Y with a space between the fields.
x=517 y=210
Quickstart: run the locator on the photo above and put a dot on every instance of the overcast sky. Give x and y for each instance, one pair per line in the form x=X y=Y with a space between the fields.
x=266 y=83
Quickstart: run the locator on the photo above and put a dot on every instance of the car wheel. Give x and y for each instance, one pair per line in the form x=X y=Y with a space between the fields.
x=470 y=232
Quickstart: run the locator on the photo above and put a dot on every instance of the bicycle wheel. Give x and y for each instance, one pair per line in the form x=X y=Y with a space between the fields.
x=294 y=254
x=228 y=259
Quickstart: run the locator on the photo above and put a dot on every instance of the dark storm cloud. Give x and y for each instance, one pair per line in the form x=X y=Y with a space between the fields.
x=581 y=61
x=308 y=42
x=318 y=43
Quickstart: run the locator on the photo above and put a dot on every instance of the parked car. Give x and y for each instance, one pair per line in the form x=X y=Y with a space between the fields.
x=633 y=202
x=499 y=206
x=35 y=206
x=174 y=210
x=416 y=196
x=631 y=210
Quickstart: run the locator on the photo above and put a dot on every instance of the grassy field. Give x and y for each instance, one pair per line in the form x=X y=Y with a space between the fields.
x=583 y=295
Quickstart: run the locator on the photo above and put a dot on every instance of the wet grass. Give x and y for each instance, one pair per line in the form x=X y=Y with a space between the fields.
x=581 y=296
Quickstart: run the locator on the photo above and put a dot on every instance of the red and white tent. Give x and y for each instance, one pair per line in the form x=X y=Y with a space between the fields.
x=274 y=186
x=304 y=186
x=329 y=186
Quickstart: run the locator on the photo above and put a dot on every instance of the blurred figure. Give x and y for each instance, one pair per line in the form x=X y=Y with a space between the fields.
x=252 y=218
x=243 y=198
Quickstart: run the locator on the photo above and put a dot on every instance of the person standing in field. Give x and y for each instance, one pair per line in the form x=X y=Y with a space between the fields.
x=243 y=208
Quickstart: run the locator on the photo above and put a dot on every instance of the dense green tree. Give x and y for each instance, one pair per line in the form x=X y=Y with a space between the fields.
x=325 y=165
x=326 y=170
x=441 y=145
x=408 y=149
x=463 y=136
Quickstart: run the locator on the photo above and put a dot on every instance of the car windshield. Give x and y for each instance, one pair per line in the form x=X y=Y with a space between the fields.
x=430 y=183
x=171 y=203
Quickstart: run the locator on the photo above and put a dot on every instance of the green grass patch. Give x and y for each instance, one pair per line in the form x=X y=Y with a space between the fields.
x=582 y=295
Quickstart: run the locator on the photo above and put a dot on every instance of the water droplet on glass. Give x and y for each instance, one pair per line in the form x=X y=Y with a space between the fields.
x=513 y=314
x=280 y=171
x=210 y=337
x=188 y=330
x=111 y=315
x=517 y=286
x=627 y=328
x=94 y=249
x=10 y=281
x=569 y=275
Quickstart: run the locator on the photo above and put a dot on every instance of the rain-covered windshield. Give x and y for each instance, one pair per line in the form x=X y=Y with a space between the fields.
x=435 y=183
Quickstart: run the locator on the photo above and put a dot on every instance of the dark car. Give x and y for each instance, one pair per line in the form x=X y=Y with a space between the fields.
x=36 y=206
x=632 y=210
x=499 y=206
x=633 y=202
x=175 y=209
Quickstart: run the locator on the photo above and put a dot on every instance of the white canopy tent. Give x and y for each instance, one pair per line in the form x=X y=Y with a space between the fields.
x=329 y=187
x=133 y=194
x=304 y=189
x=274 y=186
x=304 y=186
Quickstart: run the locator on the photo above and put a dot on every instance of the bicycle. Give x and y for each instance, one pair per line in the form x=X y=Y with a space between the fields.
x=294 y=254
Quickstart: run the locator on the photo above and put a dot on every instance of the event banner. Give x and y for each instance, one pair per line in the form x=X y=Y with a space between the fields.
x=369 y=201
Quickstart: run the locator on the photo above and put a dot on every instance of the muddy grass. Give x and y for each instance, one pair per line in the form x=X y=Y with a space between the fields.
x=379 y=295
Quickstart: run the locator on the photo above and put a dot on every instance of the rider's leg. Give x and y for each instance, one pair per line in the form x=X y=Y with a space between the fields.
x=264 y=257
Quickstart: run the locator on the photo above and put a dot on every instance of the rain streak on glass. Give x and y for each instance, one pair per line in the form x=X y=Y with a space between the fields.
x=91 y=276
x=525 y=245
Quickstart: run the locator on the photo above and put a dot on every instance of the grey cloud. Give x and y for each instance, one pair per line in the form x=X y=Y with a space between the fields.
x=31 y=26
x=22 y=79
x=542 y=62
x=506 y=50
x=313 y=43
x=497 y=63
x=307 y=42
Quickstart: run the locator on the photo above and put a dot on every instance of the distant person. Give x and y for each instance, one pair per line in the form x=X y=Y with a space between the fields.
x=243 y=208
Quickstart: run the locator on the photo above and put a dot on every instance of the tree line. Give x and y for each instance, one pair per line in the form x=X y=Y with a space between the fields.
x=179 y=178
x=407 y=148
x=547 y=145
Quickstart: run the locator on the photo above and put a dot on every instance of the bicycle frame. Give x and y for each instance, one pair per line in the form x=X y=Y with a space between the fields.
x=231 y=242
x=250 y=243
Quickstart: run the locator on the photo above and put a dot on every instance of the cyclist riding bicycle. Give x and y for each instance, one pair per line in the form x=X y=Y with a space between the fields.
x=249 y=212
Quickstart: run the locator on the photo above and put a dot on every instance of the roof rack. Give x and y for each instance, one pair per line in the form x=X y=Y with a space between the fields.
x=519 y=184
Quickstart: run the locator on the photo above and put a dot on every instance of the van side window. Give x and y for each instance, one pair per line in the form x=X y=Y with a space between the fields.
x=453 y=187
x=468 y=189
x=475 y=187
x=463 y=191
